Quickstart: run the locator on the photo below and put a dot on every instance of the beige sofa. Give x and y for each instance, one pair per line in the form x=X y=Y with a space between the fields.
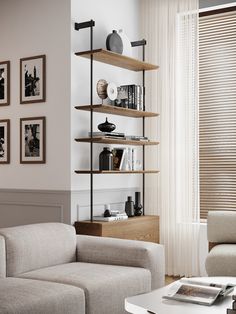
x=47 y=269
x=221 y=232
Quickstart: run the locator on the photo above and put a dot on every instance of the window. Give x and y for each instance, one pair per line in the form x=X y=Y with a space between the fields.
x=217 y=110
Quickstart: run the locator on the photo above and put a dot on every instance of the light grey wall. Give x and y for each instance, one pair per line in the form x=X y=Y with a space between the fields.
x=211 y=3
x=33 y=28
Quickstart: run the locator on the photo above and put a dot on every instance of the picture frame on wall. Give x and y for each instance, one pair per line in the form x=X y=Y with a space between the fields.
x=33 y=140
x=5 y=83
x=33 y=79
x=5 y=141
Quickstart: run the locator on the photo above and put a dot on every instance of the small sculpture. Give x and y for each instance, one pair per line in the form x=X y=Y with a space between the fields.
x=106 y=126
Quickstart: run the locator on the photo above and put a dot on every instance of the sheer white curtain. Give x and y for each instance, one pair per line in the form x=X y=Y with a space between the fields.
x=171 y=29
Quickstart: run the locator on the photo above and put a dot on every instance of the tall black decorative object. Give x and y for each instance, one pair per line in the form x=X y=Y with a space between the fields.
x=129 y=207
x=106 y=159
x=138 y=208
x=106 y=126
x=114 y=42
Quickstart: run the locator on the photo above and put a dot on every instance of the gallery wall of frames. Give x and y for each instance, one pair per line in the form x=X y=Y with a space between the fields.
x=32 y=82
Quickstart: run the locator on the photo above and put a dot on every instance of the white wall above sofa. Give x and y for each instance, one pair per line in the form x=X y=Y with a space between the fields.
x=30 y=28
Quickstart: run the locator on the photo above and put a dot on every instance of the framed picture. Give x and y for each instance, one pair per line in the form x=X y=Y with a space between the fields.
x=33 y=79
x=32 y=140
x=5 y=83
x=118 y=158
x=4 y=141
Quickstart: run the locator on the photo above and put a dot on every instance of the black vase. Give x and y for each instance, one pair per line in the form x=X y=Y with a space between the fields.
x=129 y=207
x=114 y=42
x=106 y=126
x=106 y=159
x=138 y=208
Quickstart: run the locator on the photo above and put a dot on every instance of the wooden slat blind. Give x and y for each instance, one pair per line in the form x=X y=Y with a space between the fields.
x=217 y=111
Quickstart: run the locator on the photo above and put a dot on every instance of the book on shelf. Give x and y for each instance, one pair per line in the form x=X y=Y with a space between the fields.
x=118 y=158
x=199 y=292
x=136 y=138
x=112 y=218
x=107 y=134
x=130 y=96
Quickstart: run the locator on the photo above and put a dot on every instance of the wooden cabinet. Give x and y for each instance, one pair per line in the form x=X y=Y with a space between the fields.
x=143 y=228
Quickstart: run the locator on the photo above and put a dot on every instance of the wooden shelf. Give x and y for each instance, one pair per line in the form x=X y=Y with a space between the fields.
x=118 y=111
x=105 y=140
x=116 y=171
x=117 y=59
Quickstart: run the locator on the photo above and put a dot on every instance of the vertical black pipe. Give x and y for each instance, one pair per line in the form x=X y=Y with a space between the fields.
x=91 y=124
x=144 y=133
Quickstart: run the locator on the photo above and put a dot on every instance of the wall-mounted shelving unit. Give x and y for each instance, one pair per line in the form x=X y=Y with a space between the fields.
x=128 y=63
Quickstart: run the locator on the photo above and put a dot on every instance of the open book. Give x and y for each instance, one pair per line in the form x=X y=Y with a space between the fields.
x=199 y=292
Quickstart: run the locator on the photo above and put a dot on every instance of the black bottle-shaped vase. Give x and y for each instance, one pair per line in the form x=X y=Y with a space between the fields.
x=129 y=207
x=138 y=208
x=106 y=159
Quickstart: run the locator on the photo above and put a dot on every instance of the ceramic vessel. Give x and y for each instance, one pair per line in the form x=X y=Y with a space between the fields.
x=106 y=159
x=114 y=42
x=106 y=126
x=138 y=208
x=129 y=207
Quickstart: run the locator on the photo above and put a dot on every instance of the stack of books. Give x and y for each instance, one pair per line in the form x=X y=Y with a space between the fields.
x=108 y=134
x=130 y=96
x=115 y=215
x=119 y=136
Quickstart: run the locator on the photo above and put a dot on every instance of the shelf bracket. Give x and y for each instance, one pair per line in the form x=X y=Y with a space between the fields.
x=138 y=43
x=82 y=25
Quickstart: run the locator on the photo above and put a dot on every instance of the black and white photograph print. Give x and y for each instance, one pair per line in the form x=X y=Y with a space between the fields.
x=32 y=140
x=33 y=79
x=4 y=141
x=4 y=83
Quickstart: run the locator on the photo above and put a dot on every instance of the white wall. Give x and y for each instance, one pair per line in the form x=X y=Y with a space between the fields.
x=28 y=28
x=108 y=15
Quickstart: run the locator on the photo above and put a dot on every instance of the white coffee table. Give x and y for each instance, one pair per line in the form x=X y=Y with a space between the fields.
x=153 y=303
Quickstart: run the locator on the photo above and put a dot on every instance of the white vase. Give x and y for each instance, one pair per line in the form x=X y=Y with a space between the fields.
x=127 y=48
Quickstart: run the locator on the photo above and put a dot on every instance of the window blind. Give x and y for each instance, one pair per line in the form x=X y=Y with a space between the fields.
x=217 y=111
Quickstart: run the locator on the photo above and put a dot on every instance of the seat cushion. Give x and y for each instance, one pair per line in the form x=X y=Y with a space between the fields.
x=24 y=296
x=2 y=258
x=105 y=286
x=39 y=245
x=221 y=260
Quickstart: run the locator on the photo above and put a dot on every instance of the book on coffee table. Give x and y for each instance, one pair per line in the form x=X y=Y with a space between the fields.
x=192 y=291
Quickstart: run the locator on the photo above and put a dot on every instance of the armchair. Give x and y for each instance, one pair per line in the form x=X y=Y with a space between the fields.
x=221 y=233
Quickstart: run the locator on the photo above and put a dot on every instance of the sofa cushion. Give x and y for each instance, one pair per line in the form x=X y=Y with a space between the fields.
x=221 y=226
x=2 y=258
x=23 y=296
x=40 y=245
x=221 y=260
x=105 y=286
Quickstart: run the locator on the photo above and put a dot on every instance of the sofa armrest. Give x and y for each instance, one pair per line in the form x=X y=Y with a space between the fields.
x=121 y=252
x=221 y=227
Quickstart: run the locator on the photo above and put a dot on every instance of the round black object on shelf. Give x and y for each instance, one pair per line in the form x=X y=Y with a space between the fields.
x=114 y=42
x=106 y=126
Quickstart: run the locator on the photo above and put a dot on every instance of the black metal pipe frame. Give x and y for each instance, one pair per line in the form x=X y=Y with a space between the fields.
x=142 y=43
x=90 y=24
x=144 y=131
x=91 y=125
